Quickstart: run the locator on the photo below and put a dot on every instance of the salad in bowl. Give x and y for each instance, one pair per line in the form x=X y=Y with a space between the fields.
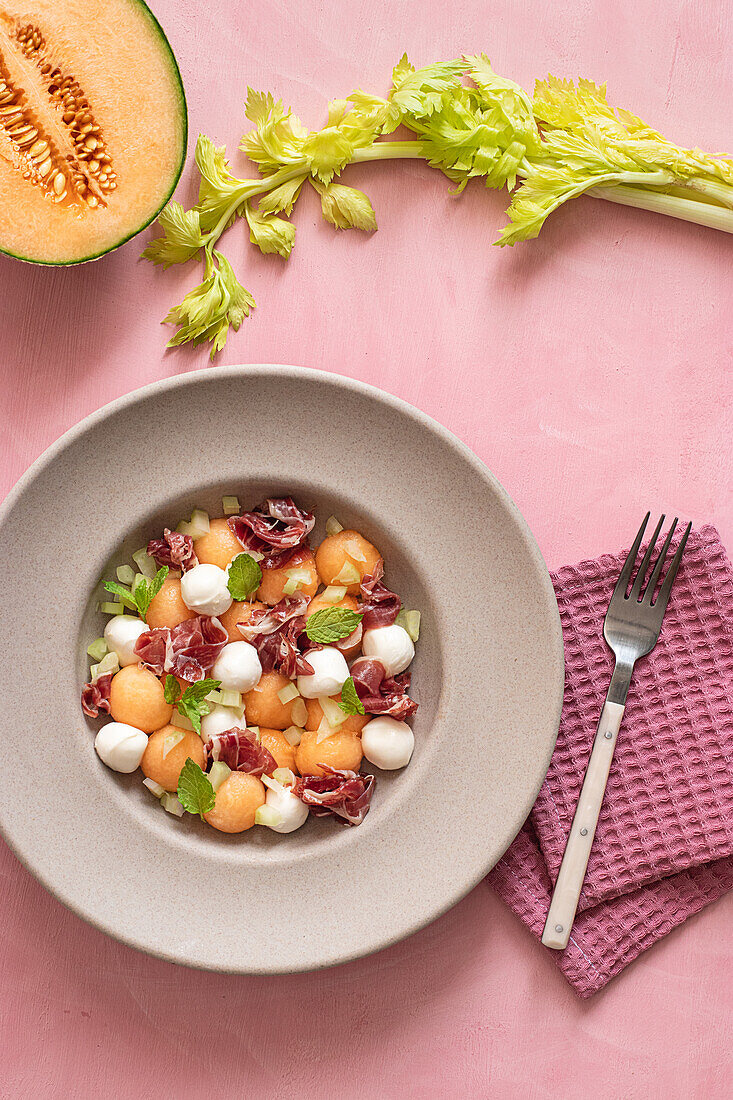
x=248 y=675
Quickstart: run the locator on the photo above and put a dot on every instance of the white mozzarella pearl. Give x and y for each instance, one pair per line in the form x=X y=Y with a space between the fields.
x=293 y=812
x=121 y=634
x=387 y=743
x=391 y=645
x=238 y=667
x=120 y=746
x=329 y=673
x=204 y=590
x=220 y=720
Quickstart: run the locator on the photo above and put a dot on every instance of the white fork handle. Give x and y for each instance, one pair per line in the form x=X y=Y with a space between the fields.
x=570 y=877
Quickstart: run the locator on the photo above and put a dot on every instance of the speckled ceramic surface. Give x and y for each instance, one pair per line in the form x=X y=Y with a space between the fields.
x=488 y=672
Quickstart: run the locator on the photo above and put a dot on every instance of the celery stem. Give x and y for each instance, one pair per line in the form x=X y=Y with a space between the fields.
x=689 y=210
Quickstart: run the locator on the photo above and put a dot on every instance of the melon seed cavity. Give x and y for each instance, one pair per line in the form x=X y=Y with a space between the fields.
x=70 y=161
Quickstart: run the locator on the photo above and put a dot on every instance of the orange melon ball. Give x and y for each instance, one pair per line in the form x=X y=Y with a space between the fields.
x=168 y=608
x=274 y=580
x=354 y=723
x=262 y=706
x=237 y=800
x=219 y=545
x=345 y=548
x=277 y=743
x=238 y=612
x=165 y=767
x=340 y=750
x=318 y=604
x=136 y=697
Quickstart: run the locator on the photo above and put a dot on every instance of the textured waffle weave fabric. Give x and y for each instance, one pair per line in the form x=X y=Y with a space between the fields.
x=664 y=844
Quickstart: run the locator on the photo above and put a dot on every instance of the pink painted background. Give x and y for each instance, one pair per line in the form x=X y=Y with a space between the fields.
x=591 y=370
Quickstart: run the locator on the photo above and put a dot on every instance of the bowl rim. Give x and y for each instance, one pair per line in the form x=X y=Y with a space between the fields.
x=554 y=641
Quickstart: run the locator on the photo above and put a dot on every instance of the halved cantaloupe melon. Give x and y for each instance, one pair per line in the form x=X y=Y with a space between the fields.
x=92 y=126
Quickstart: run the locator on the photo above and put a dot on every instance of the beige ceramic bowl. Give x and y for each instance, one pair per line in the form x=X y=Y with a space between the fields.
x=488 y=672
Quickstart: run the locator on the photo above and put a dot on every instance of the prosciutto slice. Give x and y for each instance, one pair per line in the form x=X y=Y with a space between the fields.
x=379 y=606
x=278 y=635
x=174 y=550
x=241 y=751
x=382 y=694
x=189 y=650
x=276 y=525
x=343 y=794
x=95 y=696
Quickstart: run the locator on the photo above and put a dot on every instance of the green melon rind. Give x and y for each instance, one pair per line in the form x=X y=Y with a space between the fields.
x=166 y=46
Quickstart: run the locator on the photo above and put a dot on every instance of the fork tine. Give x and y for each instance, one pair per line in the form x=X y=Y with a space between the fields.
x=639 y=580
x=625 y=575
x=664 y=591
x=649 y=590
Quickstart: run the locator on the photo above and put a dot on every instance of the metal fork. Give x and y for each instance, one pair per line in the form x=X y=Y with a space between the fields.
x=631 y=629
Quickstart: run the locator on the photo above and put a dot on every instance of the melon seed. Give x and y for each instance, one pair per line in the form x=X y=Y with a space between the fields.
x=38 y=147
x=44 y=168
x=92 y=201
x=59 y=182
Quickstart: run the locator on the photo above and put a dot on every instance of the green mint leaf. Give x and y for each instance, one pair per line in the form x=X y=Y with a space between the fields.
x=331 y=624
x=350 y=702
x=193 y=703
x=171 y=689
x=123 y=593
x=146 y=591
x=195 y=792
x=245 y=577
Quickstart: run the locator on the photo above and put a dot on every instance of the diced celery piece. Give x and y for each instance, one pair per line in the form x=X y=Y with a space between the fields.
x=171 y=805
x=109 y=663
x=219 y=772
x=230 y=506
x=197 y=526
x=109 y=608
x=284 y=776
x=230 y=698
x=409 y=621
x=332 y=712
x=180 y=721
x=299 y=712
x=293 y=735
x=266 y=815
x=154 y=788
x=412 y=625
x=125 y=574
x=255 y=730
x=171 y=740
x=324 y=731
x=348 y=574
x=287 y=693
x=98 y=649
x=297 y=578
x=145 y=563
x=270 y=783
x=333 y=526
x=213 y=697
x=255 y=555
x=333 y=594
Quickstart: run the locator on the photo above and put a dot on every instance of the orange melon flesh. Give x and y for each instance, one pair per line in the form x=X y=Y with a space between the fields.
x=121 y=62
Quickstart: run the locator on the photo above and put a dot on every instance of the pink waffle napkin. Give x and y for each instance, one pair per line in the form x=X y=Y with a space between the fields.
x=664 y=844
